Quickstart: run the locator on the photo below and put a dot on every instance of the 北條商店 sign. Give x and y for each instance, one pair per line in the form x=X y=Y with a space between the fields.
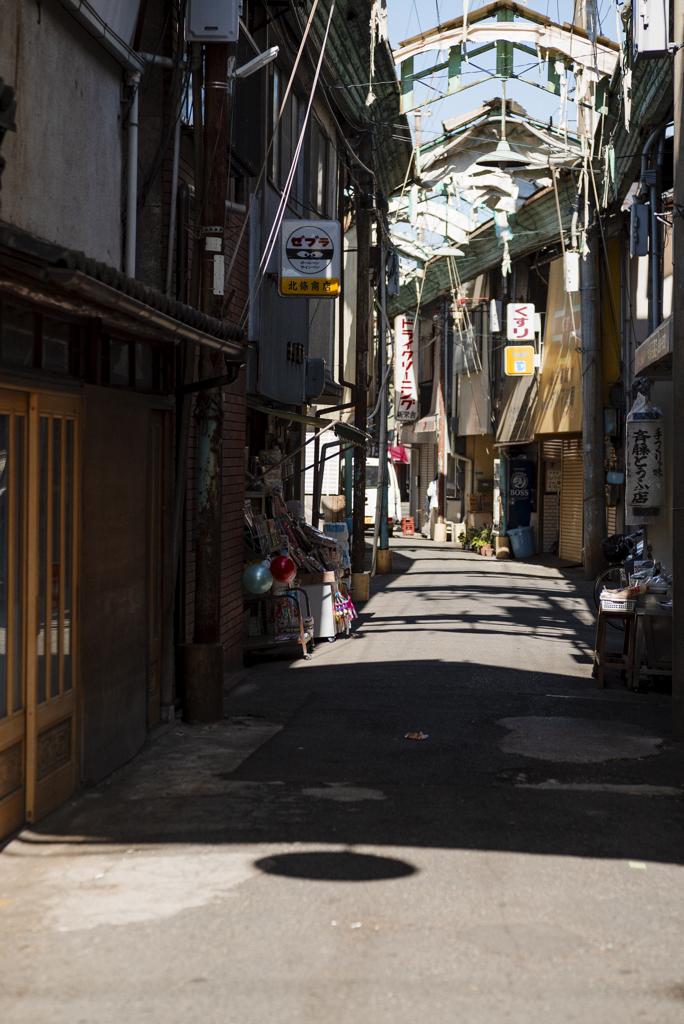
x=405 y=379
x=310 y=259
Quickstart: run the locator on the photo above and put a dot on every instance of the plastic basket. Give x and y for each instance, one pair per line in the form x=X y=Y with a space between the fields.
x=624 y=604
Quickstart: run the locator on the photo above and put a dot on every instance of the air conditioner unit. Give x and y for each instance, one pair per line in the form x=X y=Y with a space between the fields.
x=213 y=21
x=651 y=27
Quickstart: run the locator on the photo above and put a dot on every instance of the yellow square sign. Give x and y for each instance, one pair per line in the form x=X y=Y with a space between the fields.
x=519 y=360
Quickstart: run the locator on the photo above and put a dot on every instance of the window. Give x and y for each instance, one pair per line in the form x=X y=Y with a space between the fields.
x=39 y=341
x=18 y=335
x=133 y=364
x=313 y=186
x=56 y=345
x=286 y=138
x=319 y=161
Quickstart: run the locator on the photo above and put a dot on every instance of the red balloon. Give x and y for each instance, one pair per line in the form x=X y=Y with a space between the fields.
x=283 y=569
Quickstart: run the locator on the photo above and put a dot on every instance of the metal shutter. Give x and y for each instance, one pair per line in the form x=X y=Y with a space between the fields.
x=611 y=520
x=572 y=501
x=427 y=473
x=551 y=521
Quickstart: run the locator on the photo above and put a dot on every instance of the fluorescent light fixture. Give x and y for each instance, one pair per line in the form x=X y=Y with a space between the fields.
x=503 y=158
x=446 y=250
x=259 y=62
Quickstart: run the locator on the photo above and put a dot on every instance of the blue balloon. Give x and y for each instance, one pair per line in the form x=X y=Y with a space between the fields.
x=257 y=579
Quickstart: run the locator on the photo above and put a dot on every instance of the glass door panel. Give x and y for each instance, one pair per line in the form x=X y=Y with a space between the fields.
x=51 y=734
x=13 y=455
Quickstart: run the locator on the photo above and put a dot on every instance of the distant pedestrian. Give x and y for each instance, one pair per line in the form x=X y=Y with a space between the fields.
x=432 y=496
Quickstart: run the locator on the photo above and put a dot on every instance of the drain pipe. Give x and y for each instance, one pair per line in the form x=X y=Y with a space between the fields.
x=174 y=199
x=649 y=182
x=656 y=235
x=133 y=81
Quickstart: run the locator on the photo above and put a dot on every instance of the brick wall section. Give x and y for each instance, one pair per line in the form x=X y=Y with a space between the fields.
x=232 y=559
x=233 y=486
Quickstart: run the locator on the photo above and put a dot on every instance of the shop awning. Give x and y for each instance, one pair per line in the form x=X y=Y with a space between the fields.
x=560 y=382
x=399 y=454
x=424 y=431
x=518 y=410
x=653 y=358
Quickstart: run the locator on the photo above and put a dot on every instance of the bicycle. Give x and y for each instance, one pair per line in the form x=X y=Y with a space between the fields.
x=618 y=549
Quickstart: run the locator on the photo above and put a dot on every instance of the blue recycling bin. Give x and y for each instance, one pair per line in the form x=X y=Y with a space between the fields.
x=522 y=539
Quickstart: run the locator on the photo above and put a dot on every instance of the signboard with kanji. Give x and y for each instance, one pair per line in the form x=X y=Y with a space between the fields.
x=645 y=465
x=310 y=259
x=519 y=360
x=520 y=321
x=405 y=363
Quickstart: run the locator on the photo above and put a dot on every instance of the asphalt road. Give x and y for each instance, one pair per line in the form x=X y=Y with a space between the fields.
x=304 y=863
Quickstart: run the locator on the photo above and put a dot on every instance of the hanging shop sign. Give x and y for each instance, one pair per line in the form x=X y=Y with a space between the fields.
x=310 y=258
x=560 y=384
x=645 y=490
x=405 y=379
x=519 y=360
x=520 y=321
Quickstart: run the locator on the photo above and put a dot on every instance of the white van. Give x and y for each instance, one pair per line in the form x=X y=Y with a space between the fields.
x=393 y=494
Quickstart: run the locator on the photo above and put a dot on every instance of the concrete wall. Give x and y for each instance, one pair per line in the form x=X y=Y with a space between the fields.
x=63 y=174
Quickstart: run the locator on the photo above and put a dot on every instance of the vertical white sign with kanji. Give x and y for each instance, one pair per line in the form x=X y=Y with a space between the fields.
x=520 y=321
x=405 y=367
x=645 y=465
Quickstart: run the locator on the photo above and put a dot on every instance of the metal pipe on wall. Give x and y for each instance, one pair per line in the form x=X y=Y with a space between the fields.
x=318 y=485
x=592 y=415
x=172 y=207
x=182 y=282
x=654 y=231
x=655 y=255
x=131 y=234
x=363 y=317
x=383 y=367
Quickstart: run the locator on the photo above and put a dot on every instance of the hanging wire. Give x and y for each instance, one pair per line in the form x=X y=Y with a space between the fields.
x=275 y=227
x=267 y=157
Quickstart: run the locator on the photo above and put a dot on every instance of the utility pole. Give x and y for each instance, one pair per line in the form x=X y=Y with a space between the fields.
x=383 y=554
x=204 y=657
x=363 y=322
x=678 y=381
x=592 y=376
x=592 y=413
x=441 y=411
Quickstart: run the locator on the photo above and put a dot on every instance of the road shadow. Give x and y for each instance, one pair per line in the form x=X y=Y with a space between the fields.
x=335 y=866
x=341 y=772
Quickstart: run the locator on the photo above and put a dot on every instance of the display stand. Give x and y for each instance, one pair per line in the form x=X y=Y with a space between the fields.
x=648 y=660
x=288 y=630
x=321 y=559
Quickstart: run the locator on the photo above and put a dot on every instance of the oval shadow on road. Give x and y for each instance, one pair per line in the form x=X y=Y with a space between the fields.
x=332 y=866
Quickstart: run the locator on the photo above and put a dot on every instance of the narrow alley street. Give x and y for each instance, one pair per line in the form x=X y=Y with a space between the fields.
x=305 y=863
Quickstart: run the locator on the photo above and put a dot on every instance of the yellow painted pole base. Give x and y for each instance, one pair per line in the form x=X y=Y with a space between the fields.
x=360 y=582
x=383 y=564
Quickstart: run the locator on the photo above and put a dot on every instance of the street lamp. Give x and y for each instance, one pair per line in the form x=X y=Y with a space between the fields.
x=257 y=63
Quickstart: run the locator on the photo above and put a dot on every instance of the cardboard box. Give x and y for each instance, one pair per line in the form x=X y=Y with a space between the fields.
x=473 y=502
x=477 y=520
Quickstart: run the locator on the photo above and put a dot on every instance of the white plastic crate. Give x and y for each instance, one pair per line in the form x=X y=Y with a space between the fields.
x=624 y=604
